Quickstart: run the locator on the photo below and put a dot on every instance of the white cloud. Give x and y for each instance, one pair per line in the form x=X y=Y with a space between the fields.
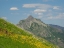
x=50 y=17
x=42 y=6
x=39 y=17
x=44 y=9
x=56 y=7
x=39 y=11
x=14 y=8
x=59 y=16
x=29 y=5
x=4 y=18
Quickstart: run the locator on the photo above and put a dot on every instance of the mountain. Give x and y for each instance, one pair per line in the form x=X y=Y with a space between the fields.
x=12 y=36
x=51 y=33
x=56 y=26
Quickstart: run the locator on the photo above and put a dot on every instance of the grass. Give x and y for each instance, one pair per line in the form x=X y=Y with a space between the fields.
x=13 y=37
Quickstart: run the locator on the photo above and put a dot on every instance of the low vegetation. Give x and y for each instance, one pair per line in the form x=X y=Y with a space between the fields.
x=13 y=37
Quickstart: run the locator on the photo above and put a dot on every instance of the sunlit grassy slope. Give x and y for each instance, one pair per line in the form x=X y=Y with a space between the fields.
x=13 y=37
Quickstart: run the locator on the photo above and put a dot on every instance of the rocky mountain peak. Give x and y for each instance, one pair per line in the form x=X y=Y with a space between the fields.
x=30 y=17
x=52 y=33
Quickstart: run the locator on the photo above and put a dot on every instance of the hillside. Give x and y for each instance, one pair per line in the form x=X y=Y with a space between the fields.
x=40 y=29
x=13 y=37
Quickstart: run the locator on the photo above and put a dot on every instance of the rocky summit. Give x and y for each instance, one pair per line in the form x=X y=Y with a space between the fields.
x=51 y=33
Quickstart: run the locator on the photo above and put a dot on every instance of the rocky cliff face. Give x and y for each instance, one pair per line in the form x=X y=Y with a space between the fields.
x=40 y=29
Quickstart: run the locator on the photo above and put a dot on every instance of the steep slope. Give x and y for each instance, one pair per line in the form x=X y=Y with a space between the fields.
x=12 y=36
x=40 y=29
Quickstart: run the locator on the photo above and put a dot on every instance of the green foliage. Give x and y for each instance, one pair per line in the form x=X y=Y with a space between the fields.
x=9 y=27
x=13 y=37
x=9 y=43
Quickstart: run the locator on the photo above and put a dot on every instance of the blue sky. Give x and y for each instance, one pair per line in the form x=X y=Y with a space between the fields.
x=49 y=11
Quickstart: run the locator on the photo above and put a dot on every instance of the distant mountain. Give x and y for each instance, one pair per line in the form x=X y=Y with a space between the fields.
x=49 y=32
x=56 y=26
x=12 y=36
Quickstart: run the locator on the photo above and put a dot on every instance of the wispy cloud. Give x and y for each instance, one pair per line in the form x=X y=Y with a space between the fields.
x=42 y=10
x=40 y=14
x=38 y=8
x=39 y=11
x=59 y=16
x=39 y=17
x=4 y=18
x=42 y=6
x=56 y=7
x=14 y=8
x=30 y=5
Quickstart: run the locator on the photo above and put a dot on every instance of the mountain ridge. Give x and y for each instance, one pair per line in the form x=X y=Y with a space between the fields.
x=57 y=26
x=40 y=29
